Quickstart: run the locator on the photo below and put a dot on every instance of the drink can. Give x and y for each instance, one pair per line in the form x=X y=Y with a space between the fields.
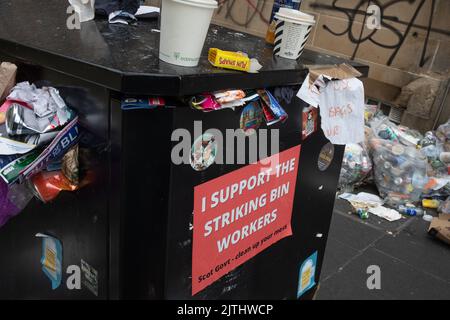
x=291 y=4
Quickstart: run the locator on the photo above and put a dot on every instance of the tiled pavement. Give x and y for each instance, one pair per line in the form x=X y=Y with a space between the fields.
x=413 y=265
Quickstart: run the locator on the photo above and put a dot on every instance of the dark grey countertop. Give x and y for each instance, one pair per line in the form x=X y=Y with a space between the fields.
x=125 y=58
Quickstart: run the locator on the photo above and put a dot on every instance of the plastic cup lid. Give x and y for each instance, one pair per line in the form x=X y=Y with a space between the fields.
x=200 y=3
x=294 y=16
x=398 y=150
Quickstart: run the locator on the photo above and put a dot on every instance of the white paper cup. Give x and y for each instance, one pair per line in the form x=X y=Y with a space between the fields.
x=292 y=32
x=184 y=25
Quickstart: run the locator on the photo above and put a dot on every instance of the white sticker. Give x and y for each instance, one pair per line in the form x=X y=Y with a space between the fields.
x=90 y=277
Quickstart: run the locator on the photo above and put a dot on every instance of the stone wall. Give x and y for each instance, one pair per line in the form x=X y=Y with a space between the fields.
x=413 y=41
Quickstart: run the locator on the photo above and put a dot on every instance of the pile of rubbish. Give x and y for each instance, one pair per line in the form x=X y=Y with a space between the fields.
x=259 y=106
x=410 y=170
x=262 y=101
x=356 y=166
x=39 y=152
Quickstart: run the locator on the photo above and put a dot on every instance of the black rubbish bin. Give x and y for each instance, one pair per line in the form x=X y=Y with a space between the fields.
x=132 y=231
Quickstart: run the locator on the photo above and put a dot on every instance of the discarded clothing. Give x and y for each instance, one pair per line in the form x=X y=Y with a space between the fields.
x=118 y=11
x=106 y=7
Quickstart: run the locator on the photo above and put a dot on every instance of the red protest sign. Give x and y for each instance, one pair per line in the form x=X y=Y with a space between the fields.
x=240 y=214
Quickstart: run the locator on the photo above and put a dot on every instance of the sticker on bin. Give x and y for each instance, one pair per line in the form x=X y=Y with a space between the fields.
x=51 y=259
x=90 y=277
x=309 y=121
x=326 y=156
x=203 y=152
x=241 y=214
x=307 y=275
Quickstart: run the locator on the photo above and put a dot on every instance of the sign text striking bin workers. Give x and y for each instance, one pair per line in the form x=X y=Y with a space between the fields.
x=238 y=215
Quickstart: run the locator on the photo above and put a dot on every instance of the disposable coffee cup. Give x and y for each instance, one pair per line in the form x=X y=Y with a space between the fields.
x=292 y=32
x=184 y=26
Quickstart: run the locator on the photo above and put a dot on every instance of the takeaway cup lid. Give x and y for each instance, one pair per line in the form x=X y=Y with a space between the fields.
x=210 y=4
x=292 y=15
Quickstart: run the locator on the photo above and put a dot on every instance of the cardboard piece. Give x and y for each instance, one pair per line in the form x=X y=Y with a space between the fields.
x=334 y=72
x=440 y=228
x=8 y=73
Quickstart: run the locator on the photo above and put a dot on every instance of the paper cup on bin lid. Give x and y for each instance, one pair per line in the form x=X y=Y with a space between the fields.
x=184 y=25
x=292 y=32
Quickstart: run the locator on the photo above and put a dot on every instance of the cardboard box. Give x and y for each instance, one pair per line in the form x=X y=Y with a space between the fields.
x=440 y=228
x=8 y=73
x=335 y=72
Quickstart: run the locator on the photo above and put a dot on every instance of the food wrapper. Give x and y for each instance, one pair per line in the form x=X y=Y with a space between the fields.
x=205 y=102
x=70 y=166
x=233 y=60
x=48 y=185
x=148 y=103
x=273 y=112
x=224 y=97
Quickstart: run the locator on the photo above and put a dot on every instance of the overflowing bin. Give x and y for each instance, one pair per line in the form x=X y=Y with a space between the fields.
x=159 y=221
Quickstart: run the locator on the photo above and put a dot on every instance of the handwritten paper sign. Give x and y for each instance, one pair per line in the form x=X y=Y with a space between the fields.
x=342 y=111
x=341 y=107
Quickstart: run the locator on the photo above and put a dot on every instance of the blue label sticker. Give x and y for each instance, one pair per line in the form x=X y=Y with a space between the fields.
x=307 y=273
x=51 y=259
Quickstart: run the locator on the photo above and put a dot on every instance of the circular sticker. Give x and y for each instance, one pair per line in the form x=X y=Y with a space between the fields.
x=326 y=156
x=203 y=152
x=251 y=118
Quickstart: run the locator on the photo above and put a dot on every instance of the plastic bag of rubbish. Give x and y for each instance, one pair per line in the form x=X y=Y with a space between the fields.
x=433 y=149
x=443 y=134
x=444 y=207
x=356 y=165
x=370 y=111
x=387 y=130
x=443 y=131
x=399 y=171
x=13 y=200
x=382 y=128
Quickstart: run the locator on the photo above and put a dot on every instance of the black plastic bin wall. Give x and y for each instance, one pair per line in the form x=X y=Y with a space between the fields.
x=132 y=225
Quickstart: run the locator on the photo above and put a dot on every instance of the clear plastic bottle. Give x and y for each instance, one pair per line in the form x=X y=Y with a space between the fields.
x=410 y=211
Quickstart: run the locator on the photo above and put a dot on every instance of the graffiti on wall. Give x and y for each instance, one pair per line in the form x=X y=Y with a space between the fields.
x=387 y=13
x=233 y=9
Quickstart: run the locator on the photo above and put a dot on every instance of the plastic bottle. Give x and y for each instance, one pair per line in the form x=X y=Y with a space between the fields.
x=410 y=211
